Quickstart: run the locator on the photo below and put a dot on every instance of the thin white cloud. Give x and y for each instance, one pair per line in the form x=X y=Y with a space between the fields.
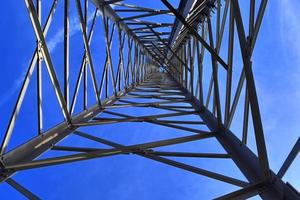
x=286 y=100
x=289 y=20
x=59 y=35
x=51 y=44
x=14 y=88
x=290 y=38
x=287 y=29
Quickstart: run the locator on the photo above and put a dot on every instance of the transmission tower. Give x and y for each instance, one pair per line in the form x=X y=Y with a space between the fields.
x=183 y=66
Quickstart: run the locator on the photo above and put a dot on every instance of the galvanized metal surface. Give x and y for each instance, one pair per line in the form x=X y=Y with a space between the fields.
x=165 y=63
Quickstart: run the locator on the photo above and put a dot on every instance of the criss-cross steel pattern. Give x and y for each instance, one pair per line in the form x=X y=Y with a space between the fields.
x=169 y=58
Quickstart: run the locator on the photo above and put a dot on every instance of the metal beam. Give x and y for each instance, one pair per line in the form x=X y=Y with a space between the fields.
x=289 y=160
x=25 y=84
x=195 y=33
x=22 y=189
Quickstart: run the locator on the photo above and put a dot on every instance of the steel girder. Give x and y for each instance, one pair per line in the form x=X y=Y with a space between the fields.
x=165 y=63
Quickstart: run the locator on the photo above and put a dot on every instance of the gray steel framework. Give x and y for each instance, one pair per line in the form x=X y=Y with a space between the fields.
x=159 y=61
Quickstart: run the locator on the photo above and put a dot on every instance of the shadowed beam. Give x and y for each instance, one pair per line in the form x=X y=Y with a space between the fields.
x=77 y=149
x=251 y=89
x=244 y=193
x=289 y=160
x=188 y=154
x=128 y=117
x=146 y=15
x=150 y=104
x=195 y=33
x=197 y=170
x=104 y=153
x=22 y=190
x=173 y=163
x=150 y=120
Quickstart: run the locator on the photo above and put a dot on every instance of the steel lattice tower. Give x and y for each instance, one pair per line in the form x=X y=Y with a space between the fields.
x=162 y=66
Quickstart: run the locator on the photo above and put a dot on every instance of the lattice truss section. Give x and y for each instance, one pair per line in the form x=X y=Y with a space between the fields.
x=189 y=63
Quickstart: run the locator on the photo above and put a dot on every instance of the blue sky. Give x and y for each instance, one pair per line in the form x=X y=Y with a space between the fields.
x=276 y=64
